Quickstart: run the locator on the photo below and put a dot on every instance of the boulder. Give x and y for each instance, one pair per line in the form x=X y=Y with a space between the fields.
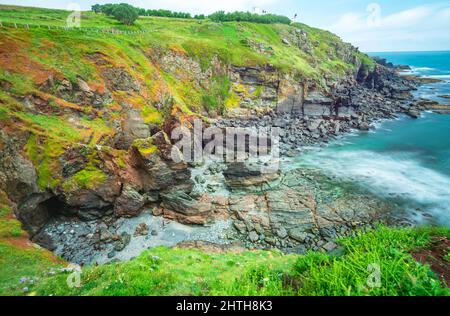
x=33 y=213
x=129 y=203
x=17 y=174
x=181 y=206
x=241 y=175
x=118 y=79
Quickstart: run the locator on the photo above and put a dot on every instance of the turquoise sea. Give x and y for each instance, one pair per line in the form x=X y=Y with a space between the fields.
x=405 y=159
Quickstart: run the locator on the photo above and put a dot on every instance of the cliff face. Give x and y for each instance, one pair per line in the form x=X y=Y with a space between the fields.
x=84 y=116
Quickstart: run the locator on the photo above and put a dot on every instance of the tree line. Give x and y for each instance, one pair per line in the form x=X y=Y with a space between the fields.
x=221 y=16
x=127 y=14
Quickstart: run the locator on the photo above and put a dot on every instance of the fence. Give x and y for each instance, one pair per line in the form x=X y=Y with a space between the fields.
x=13 y=25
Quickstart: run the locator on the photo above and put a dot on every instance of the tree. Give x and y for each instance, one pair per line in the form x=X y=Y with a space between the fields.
x=125 y=13
x=96 y=8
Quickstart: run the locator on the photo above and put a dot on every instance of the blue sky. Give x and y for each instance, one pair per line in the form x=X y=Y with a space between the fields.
x=384 y=25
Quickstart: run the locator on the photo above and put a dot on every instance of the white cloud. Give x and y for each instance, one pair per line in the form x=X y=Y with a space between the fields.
x=415 y=28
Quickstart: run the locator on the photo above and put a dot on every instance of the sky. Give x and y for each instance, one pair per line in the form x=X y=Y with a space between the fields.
x=373 y=26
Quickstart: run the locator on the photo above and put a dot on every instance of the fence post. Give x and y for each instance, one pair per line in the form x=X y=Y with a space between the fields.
x=15 y=25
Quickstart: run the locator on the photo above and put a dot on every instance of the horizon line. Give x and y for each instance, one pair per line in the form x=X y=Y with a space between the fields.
x=408 y=51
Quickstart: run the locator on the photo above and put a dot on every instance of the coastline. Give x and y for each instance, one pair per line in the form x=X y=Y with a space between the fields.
x=247 y=208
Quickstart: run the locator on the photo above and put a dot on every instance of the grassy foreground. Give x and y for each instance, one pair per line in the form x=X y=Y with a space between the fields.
x=162 y=271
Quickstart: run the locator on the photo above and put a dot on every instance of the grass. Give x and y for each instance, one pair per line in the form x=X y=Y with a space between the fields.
x=164 y=271
x=22 y=262
x=28 y=58
x=88 y=178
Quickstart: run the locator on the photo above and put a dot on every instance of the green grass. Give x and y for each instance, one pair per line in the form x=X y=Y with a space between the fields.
x=164 y=271
x=17 y=262
x=88 y=178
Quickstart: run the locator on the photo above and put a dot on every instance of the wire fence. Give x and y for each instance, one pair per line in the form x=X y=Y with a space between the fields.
x=13 y=25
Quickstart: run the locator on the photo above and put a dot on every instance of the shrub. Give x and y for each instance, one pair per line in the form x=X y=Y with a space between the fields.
x=221 y=16
x=125 y=13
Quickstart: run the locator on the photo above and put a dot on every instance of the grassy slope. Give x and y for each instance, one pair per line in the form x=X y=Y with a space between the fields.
x=163 y=271
x=30 y=56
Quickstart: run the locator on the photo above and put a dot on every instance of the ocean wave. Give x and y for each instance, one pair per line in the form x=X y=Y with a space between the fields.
x=438 y=76
x=389 y=176
x=422 y=69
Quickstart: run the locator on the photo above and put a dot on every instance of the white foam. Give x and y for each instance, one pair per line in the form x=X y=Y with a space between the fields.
x=390 y=176
x=438 y=76
x=422 y=68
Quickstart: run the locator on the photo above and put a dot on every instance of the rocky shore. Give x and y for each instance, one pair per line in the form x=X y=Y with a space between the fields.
x=294 y=211
x=113 y=200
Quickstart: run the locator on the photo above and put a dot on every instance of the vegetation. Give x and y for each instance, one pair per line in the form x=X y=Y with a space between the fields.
x=221 y=16
x=32 y=58
x=109 y=9
x=122 y=12
x=164 y=271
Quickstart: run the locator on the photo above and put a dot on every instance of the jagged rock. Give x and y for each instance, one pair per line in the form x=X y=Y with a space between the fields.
x=17 y=174
x=253 y=236
x=78 y=92
x=92 y=203
x=142 y=230
x=182 y=207
x=330 y=246
x=118 y=79
x=33 y=213
x=156 y=170
x=413 y=113
x=241 y=175
x=129 y=203
x=364 y=126
x=298 y=235
x=124 y=241
x=286 y=41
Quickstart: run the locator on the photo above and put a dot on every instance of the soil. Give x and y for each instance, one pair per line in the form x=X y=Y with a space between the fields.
x=435 y=257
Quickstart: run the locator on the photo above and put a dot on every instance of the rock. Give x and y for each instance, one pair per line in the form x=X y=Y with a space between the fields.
x=286 y=41
x=17 y=175
x=364 y=126
x=271 y=241
x=240 y=226
x=298 y=235
x=154 y=232
x=281 y=232
x=105 y=235
x=329 y=246
x=129 y=203
x=141 y=230
x=241 y=175
x=253 y=236
x=118 y=79
x=133 y=127
x=124 y=240
x=180 y=202
x=415 y=114
x=34 y=213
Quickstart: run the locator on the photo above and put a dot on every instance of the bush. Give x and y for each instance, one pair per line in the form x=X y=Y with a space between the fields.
x=125 y=13
x=110 y=8
x=221 y=16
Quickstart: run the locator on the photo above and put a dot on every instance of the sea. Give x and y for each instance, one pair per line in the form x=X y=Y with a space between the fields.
x=405 y=159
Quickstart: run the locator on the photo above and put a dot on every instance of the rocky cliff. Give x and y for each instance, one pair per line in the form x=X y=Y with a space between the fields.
x=84 y=116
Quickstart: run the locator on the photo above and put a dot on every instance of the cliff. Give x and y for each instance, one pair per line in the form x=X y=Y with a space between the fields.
x=85 y=113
